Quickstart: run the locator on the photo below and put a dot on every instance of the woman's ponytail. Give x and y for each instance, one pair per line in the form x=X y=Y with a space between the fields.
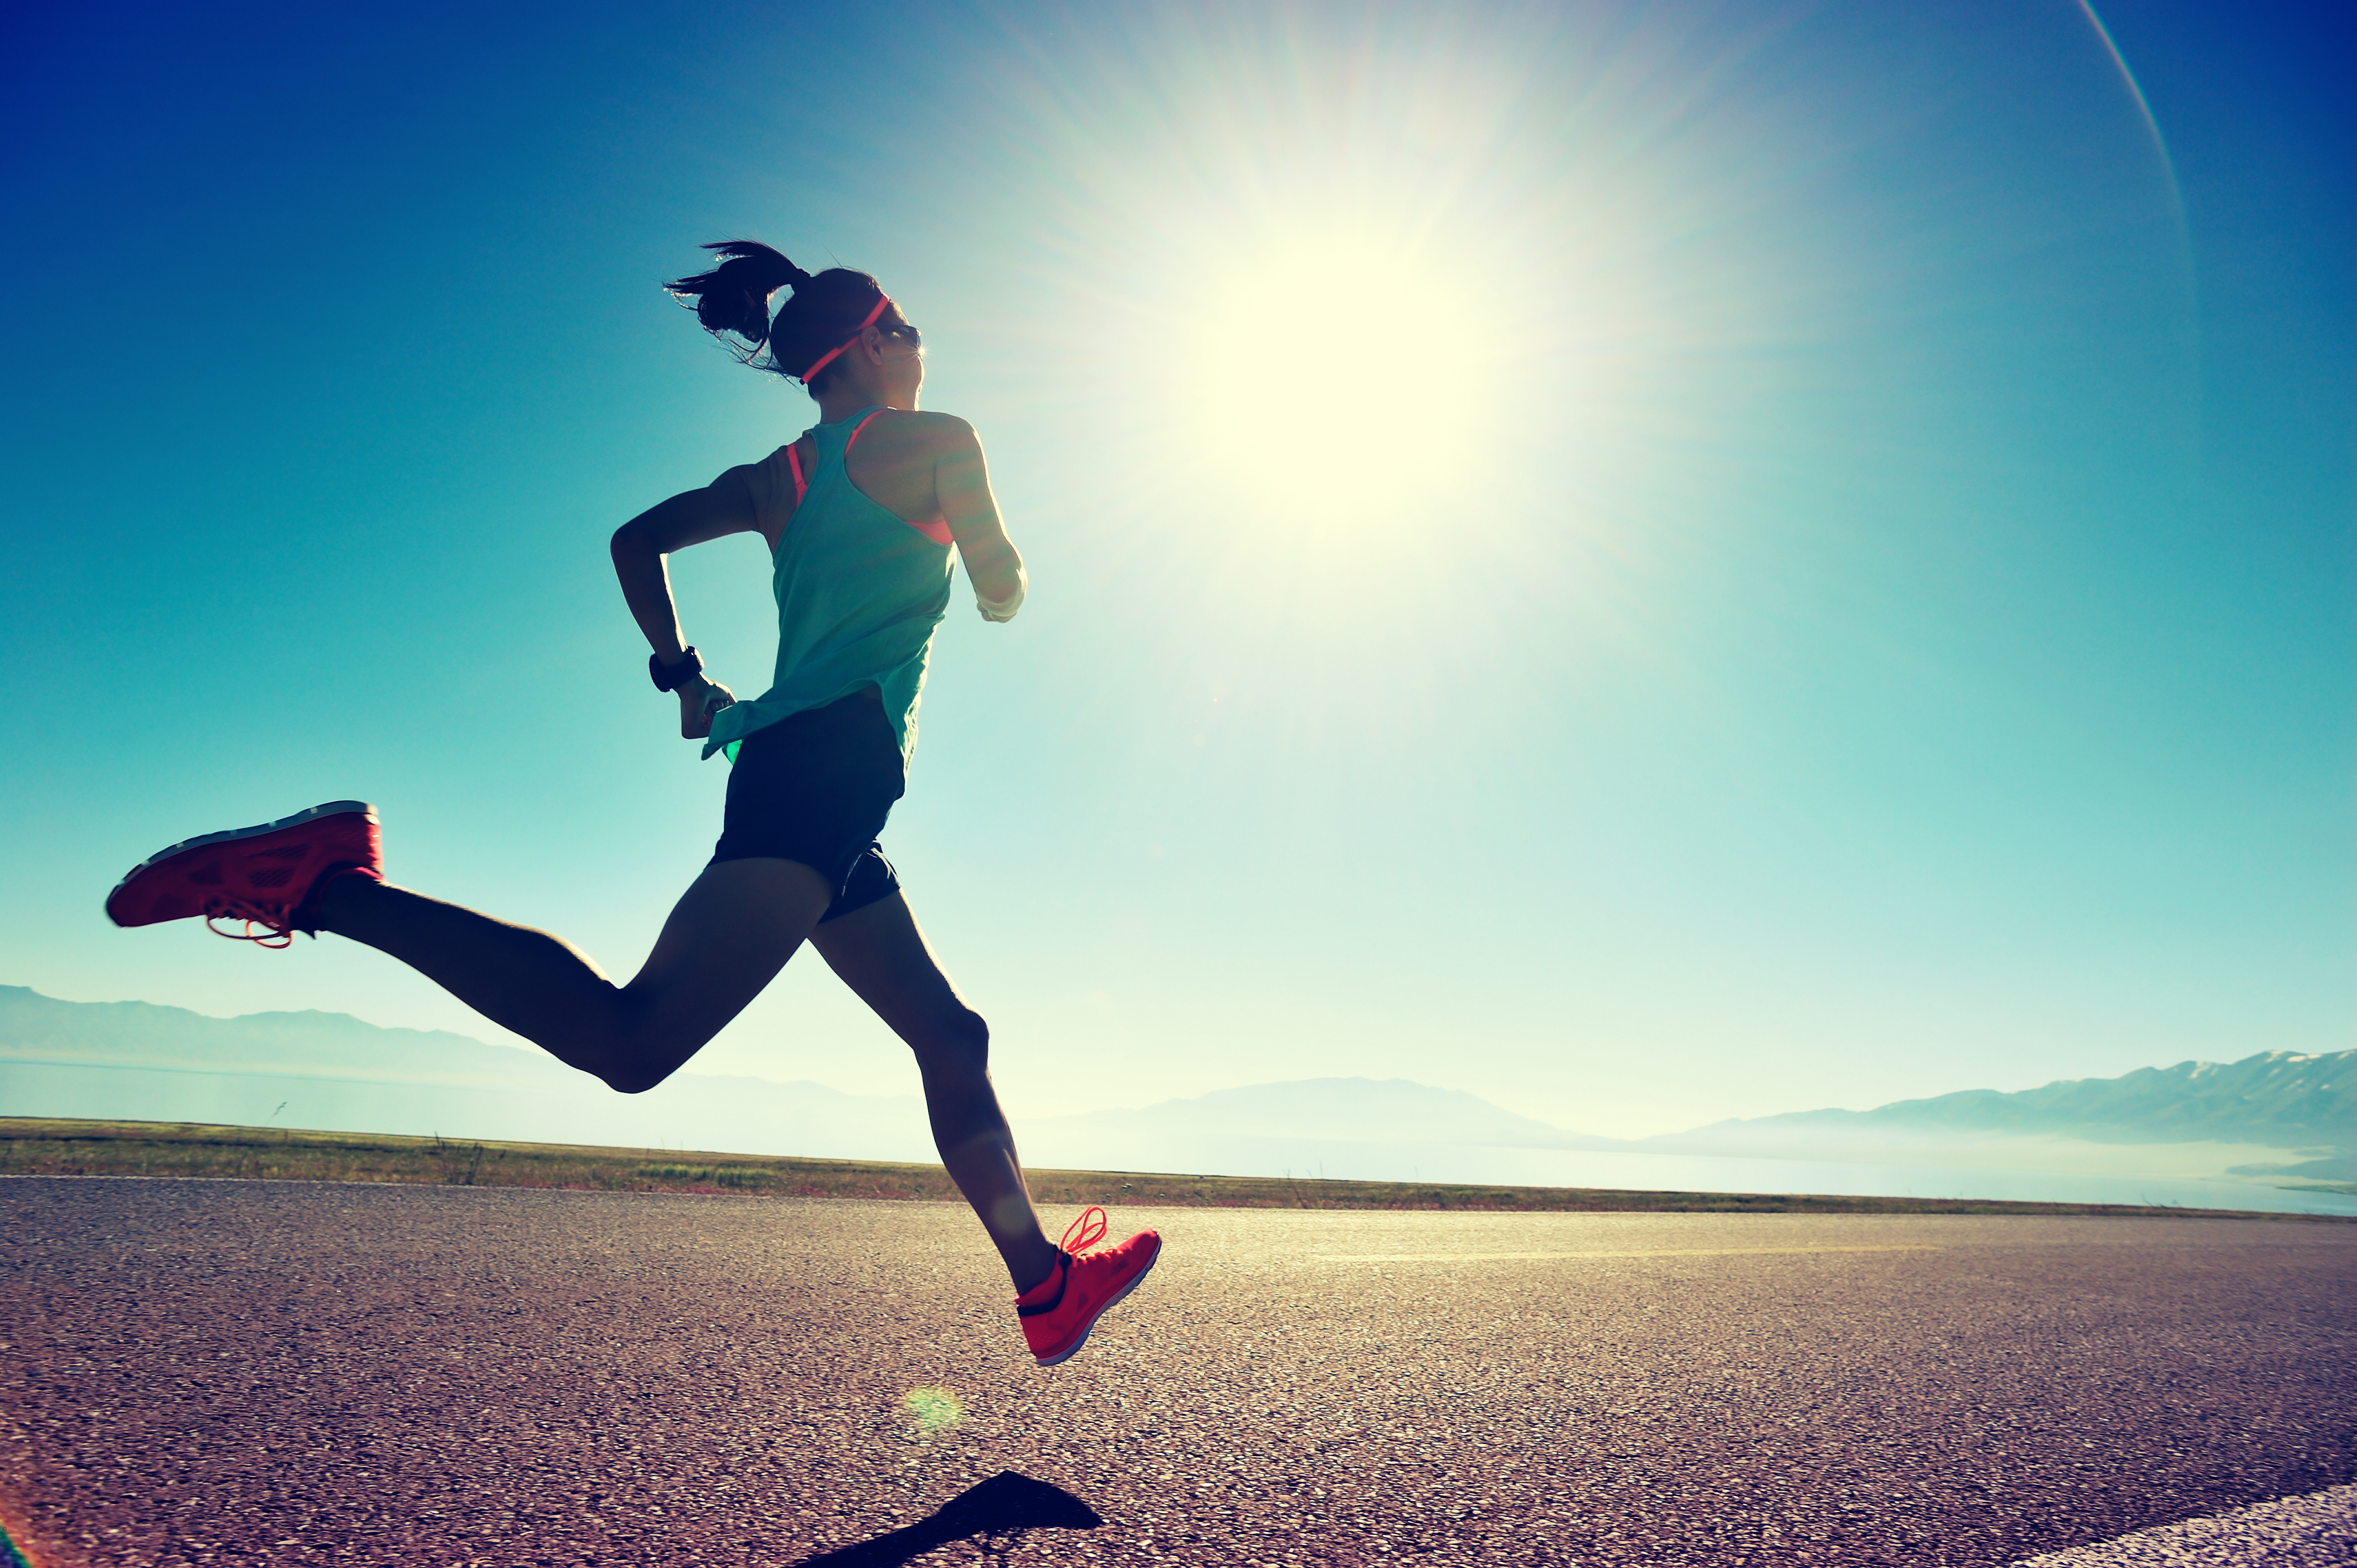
x=735 y=296
x=809 y=329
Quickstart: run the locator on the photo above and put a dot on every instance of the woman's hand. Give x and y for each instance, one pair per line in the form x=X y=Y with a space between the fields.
x=1002 y=608
x=699 y=699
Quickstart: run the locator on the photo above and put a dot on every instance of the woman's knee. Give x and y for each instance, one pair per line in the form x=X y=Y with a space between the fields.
x=635 y=1077
x=636 y=1058
x=958 y=1045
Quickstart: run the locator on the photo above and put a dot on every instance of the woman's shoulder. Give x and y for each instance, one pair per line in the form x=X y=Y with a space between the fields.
x=925 y=428
x=776 y=457
x=773 y=485
x=771 y=470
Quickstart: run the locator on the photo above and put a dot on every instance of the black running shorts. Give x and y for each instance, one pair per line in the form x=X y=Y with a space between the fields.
x=815 y=788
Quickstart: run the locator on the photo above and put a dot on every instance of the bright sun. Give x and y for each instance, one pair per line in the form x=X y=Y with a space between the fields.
x=1330 y=377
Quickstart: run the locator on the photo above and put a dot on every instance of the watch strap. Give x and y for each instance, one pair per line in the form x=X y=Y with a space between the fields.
x=672 y=677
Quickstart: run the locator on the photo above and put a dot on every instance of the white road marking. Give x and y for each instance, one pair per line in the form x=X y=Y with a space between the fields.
x=2314 y=1532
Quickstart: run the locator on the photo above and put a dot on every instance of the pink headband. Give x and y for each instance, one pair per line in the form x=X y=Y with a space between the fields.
x=826 y=359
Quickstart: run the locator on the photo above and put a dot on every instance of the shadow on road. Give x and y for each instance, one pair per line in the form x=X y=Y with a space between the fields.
x=999 y=1509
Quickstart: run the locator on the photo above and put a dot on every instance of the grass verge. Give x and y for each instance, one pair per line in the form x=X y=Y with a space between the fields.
x=43 y=1147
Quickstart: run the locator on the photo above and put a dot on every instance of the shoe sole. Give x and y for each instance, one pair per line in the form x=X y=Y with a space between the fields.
x=1111 y=1302
x=331 y=809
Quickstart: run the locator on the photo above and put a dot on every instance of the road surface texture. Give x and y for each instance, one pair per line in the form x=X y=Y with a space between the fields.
x=229 y=1372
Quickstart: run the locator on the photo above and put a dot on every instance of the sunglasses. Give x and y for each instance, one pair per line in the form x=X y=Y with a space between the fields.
x=883 y=302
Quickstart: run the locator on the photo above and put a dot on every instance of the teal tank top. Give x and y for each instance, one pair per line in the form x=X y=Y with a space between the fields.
x=859 y=593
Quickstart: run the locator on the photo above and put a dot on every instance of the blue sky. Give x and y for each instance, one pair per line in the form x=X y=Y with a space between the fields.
x=1651 y=562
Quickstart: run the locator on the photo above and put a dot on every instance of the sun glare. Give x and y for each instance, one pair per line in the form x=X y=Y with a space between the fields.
x=1329 y=376
x=1304 y=269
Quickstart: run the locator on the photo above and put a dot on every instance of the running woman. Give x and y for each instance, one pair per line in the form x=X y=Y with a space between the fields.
x=860 y=515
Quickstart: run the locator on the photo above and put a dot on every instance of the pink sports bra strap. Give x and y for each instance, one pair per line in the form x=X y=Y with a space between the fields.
x=857 y=431
x=802 y=480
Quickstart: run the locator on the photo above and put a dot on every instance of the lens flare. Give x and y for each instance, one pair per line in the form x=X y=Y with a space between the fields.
x=933 y=1409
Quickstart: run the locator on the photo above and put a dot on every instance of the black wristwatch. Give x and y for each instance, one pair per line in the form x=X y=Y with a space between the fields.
x=672 y=677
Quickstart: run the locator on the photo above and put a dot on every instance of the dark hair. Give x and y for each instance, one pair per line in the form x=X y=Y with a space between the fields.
x=733 y=296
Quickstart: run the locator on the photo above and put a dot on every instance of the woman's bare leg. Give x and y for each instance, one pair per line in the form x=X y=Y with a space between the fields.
x=882 y=956
x=727 y=937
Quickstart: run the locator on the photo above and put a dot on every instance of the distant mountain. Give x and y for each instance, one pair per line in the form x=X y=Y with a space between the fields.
x=34 y=1027
x=1351 y=1109
x=2281 y=1116
x=2275 y=1098
x=329 y=1071
x=2191 y=1129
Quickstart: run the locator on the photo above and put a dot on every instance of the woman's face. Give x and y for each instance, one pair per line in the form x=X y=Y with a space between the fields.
x=901 y=350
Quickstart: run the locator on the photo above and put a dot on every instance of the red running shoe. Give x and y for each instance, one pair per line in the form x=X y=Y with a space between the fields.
x=1059 y=1312
x=268 y=876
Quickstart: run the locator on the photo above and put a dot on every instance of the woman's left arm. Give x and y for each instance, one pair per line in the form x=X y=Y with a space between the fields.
x=639 y=547
x=962 y=482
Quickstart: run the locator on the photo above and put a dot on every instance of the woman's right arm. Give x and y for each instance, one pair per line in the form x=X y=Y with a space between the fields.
x=721 y=507
x=961 y=485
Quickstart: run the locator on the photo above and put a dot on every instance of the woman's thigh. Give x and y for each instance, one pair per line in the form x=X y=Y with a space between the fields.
x=881 y=954
x=727 y=937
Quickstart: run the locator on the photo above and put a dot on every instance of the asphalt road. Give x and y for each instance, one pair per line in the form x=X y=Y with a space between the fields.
x=202 y=1373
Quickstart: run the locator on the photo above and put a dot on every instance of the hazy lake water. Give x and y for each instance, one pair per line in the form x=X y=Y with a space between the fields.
x=1654 y=1172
